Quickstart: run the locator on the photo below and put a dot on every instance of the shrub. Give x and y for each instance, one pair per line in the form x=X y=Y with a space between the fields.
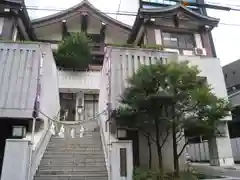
x=74 y=52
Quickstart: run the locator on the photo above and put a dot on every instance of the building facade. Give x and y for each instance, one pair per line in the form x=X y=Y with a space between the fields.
x=232 y=80
x=180 y=29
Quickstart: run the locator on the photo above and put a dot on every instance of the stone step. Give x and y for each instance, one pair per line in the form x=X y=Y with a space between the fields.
x=73 y=145
x=69 y=150
x=72 y=164
x=59 y=151
x=76 y=140
x=72 y=160
x=53 y=153
x=78 y=172
x=72 y=168
x=97 y=142
x=75 y=148
x=69 y=177
x=72 y=148
x=73 y=153
x=73 y=156
x=82 y=145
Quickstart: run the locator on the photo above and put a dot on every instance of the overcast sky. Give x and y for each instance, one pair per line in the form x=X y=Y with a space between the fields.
x=226 y=37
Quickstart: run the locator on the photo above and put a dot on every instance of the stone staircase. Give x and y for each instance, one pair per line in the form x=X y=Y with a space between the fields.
x=79 y=158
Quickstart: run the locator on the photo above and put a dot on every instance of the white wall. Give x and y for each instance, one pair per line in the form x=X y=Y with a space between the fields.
x=16 y=160
x=49 y=95
x=111 y=145
x=79 y=80
x=212 y=70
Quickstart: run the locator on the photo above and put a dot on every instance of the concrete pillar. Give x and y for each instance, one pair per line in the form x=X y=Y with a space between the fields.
x=220 y=150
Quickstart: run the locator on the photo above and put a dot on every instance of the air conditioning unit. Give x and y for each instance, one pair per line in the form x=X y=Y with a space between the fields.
x=200 y=51
x=172 y=50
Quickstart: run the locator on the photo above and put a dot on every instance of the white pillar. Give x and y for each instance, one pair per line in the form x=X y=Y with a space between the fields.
x=121 y=159
x=16 y=159
x=220 y=150
x=79 y=102
x=158 y=36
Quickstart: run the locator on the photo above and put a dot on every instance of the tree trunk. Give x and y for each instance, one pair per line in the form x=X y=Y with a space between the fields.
x=159 y=149
x=149 y=153
x=175 y=152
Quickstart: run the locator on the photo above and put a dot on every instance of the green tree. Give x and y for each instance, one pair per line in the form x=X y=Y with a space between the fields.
x=172 y=95
x=74 y=52
x=147 y=103
x=195 y=106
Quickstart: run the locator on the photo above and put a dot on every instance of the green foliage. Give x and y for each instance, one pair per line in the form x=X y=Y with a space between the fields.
x=146 y=174
x=74 y=52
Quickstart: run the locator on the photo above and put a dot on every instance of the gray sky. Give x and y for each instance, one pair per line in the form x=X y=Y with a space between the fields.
x=226 y=37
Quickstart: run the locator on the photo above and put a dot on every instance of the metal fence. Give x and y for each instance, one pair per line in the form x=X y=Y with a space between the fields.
x=199 y=151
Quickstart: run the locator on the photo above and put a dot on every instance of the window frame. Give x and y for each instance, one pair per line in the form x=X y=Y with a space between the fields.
x=178 y=34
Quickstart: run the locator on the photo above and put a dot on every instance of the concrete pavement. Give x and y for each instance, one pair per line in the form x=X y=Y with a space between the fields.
x=232 y=173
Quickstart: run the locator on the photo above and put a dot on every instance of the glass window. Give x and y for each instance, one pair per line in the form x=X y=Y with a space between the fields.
x=167 y=2
x=177 y=40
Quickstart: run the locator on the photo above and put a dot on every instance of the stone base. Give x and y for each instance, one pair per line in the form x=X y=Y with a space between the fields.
x=222 y=162
x=220 y=150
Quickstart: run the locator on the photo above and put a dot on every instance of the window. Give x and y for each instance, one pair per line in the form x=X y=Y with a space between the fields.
x=177 y=40
x=168 y=2
x=147 y=3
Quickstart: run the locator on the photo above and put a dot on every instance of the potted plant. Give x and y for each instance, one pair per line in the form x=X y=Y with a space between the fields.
x=74 y=52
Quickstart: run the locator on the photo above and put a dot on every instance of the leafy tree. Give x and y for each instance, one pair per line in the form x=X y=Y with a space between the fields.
x=144 y=101
x=74 y=52
x=195 y=106
x=172 y=95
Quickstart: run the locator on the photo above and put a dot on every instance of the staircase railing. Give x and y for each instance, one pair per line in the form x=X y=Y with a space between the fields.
x=38 y=152
x=105 y=145
x=55 y=127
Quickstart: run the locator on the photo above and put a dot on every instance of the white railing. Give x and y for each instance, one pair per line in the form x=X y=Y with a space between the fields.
x=39 y=150
x=105 y=145
x=79 y=80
